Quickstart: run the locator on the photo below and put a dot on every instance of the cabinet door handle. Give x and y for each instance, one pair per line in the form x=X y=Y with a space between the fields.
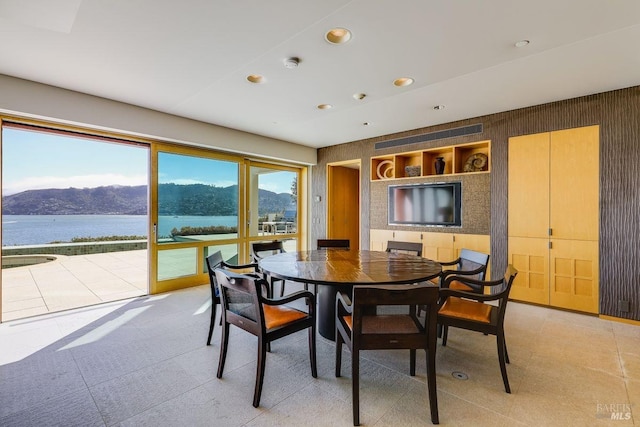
x=550 y=231
x=550 y=245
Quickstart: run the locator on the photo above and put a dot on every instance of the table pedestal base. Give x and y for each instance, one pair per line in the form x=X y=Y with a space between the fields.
x=326 y=310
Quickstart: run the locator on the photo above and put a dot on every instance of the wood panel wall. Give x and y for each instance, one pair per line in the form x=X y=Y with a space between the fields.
x=618 y=114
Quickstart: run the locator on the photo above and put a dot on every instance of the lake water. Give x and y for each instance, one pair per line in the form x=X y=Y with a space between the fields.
x=42 y=229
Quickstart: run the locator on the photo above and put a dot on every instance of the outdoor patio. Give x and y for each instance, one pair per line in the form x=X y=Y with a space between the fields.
x=72 y=282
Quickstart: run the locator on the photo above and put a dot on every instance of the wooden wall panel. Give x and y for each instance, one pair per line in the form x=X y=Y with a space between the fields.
x=618 y=114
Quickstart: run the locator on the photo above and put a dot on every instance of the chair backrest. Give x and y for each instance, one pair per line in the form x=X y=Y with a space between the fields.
x=405 y=247
x=333 y=243
x=378 y=331
x=240 y=300
x=503 y=295
x=264 y=249
x=214 y=261
x=472 y=260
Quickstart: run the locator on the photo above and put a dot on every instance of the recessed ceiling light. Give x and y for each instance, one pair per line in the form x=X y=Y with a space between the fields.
x=359 y=96
x=324 y=106
x=338 y=36
x=256 y=78
x=403 y=81
x=522 y=43
x=438 y=107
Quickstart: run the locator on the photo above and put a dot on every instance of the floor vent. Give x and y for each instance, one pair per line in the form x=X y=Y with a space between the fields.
x=432 y=136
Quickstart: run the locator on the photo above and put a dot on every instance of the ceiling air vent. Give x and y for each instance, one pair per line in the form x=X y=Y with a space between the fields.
x=432 y=136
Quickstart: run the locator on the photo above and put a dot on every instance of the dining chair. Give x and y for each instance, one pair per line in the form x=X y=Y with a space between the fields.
x=467 y=310
x=215 y=261
x=414 y=248
x=333 y=244
x=471 y=264
x=260 y=250
x=245 y=306
x=360 y=327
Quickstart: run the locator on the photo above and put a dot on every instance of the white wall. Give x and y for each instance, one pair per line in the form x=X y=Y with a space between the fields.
x=35 y=100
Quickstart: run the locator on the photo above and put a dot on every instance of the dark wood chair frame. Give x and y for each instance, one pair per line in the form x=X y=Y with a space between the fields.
x=214 y=261
x=395 y=246
x=334 y=244
x=274 y=247
x=470 y=263
x=388 y=334
x=478 y=270
x=251 y=290
x=496 y=323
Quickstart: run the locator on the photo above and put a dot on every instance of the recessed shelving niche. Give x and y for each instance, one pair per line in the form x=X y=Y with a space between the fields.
x=458 y=159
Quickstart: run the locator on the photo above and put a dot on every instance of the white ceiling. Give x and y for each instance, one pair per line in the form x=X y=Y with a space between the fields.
x=191 y=58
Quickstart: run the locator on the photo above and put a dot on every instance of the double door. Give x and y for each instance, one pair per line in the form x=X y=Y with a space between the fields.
x=554 y=218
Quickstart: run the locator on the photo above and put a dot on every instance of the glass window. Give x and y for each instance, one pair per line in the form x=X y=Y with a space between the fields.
x=173 y=263
x=229 y=253
x=197 y=199
x=273 y=202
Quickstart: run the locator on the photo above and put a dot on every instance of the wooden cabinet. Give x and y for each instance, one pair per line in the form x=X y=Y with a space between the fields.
x=458 y=159
x=554 y=217
x=378 y=239
x=436 y=246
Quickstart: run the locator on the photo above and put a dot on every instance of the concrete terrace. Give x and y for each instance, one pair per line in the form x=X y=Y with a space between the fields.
x=71 y=282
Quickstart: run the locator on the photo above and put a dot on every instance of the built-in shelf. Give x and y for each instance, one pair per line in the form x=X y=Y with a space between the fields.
x=458 y=159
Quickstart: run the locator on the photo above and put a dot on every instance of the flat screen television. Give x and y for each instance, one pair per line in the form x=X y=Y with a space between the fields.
x=433 y=204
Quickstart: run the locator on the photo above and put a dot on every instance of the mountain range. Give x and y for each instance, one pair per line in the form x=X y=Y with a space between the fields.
x=174 y=199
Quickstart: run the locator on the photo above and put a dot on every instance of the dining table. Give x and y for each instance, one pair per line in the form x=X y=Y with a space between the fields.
x=338 y=270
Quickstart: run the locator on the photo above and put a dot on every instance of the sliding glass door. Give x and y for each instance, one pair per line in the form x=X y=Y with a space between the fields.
x=74 y=219
x=207 y=202
x=150 y=212
x=273 y=204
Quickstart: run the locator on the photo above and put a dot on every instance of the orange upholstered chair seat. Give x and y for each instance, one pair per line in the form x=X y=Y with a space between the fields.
x=459 y=286
x=349 y=321
x=465 y=309
x=276 y=316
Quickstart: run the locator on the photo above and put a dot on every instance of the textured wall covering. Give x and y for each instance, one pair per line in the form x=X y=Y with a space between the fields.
x=617 y=113
x=476 y=204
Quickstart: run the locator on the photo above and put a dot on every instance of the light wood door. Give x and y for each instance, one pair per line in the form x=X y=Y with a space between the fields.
x=530 y=256
x=344 y=204
x=574 y=275
x=574 y=177
x=529 y=185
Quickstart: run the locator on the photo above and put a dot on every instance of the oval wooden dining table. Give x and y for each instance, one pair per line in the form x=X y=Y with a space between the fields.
x=334 y=270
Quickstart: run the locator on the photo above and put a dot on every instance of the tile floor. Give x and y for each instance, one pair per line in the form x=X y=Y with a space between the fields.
x=144 y=362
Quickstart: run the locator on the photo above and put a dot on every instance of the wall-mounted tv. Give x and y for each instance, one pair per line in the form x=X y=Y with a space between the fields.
x=433 y=204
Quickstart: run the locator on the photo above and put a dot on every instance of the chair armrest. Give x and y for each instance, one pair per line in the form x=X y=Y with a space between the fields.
x=445 y=292
x=240 y=266
x=454 y=262
x=445 y=273
x=311 y=298
x=343 y=305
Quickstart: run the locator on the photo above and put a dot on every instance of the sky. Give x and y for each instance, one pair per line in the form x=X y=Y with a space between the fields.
x=34 y=160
